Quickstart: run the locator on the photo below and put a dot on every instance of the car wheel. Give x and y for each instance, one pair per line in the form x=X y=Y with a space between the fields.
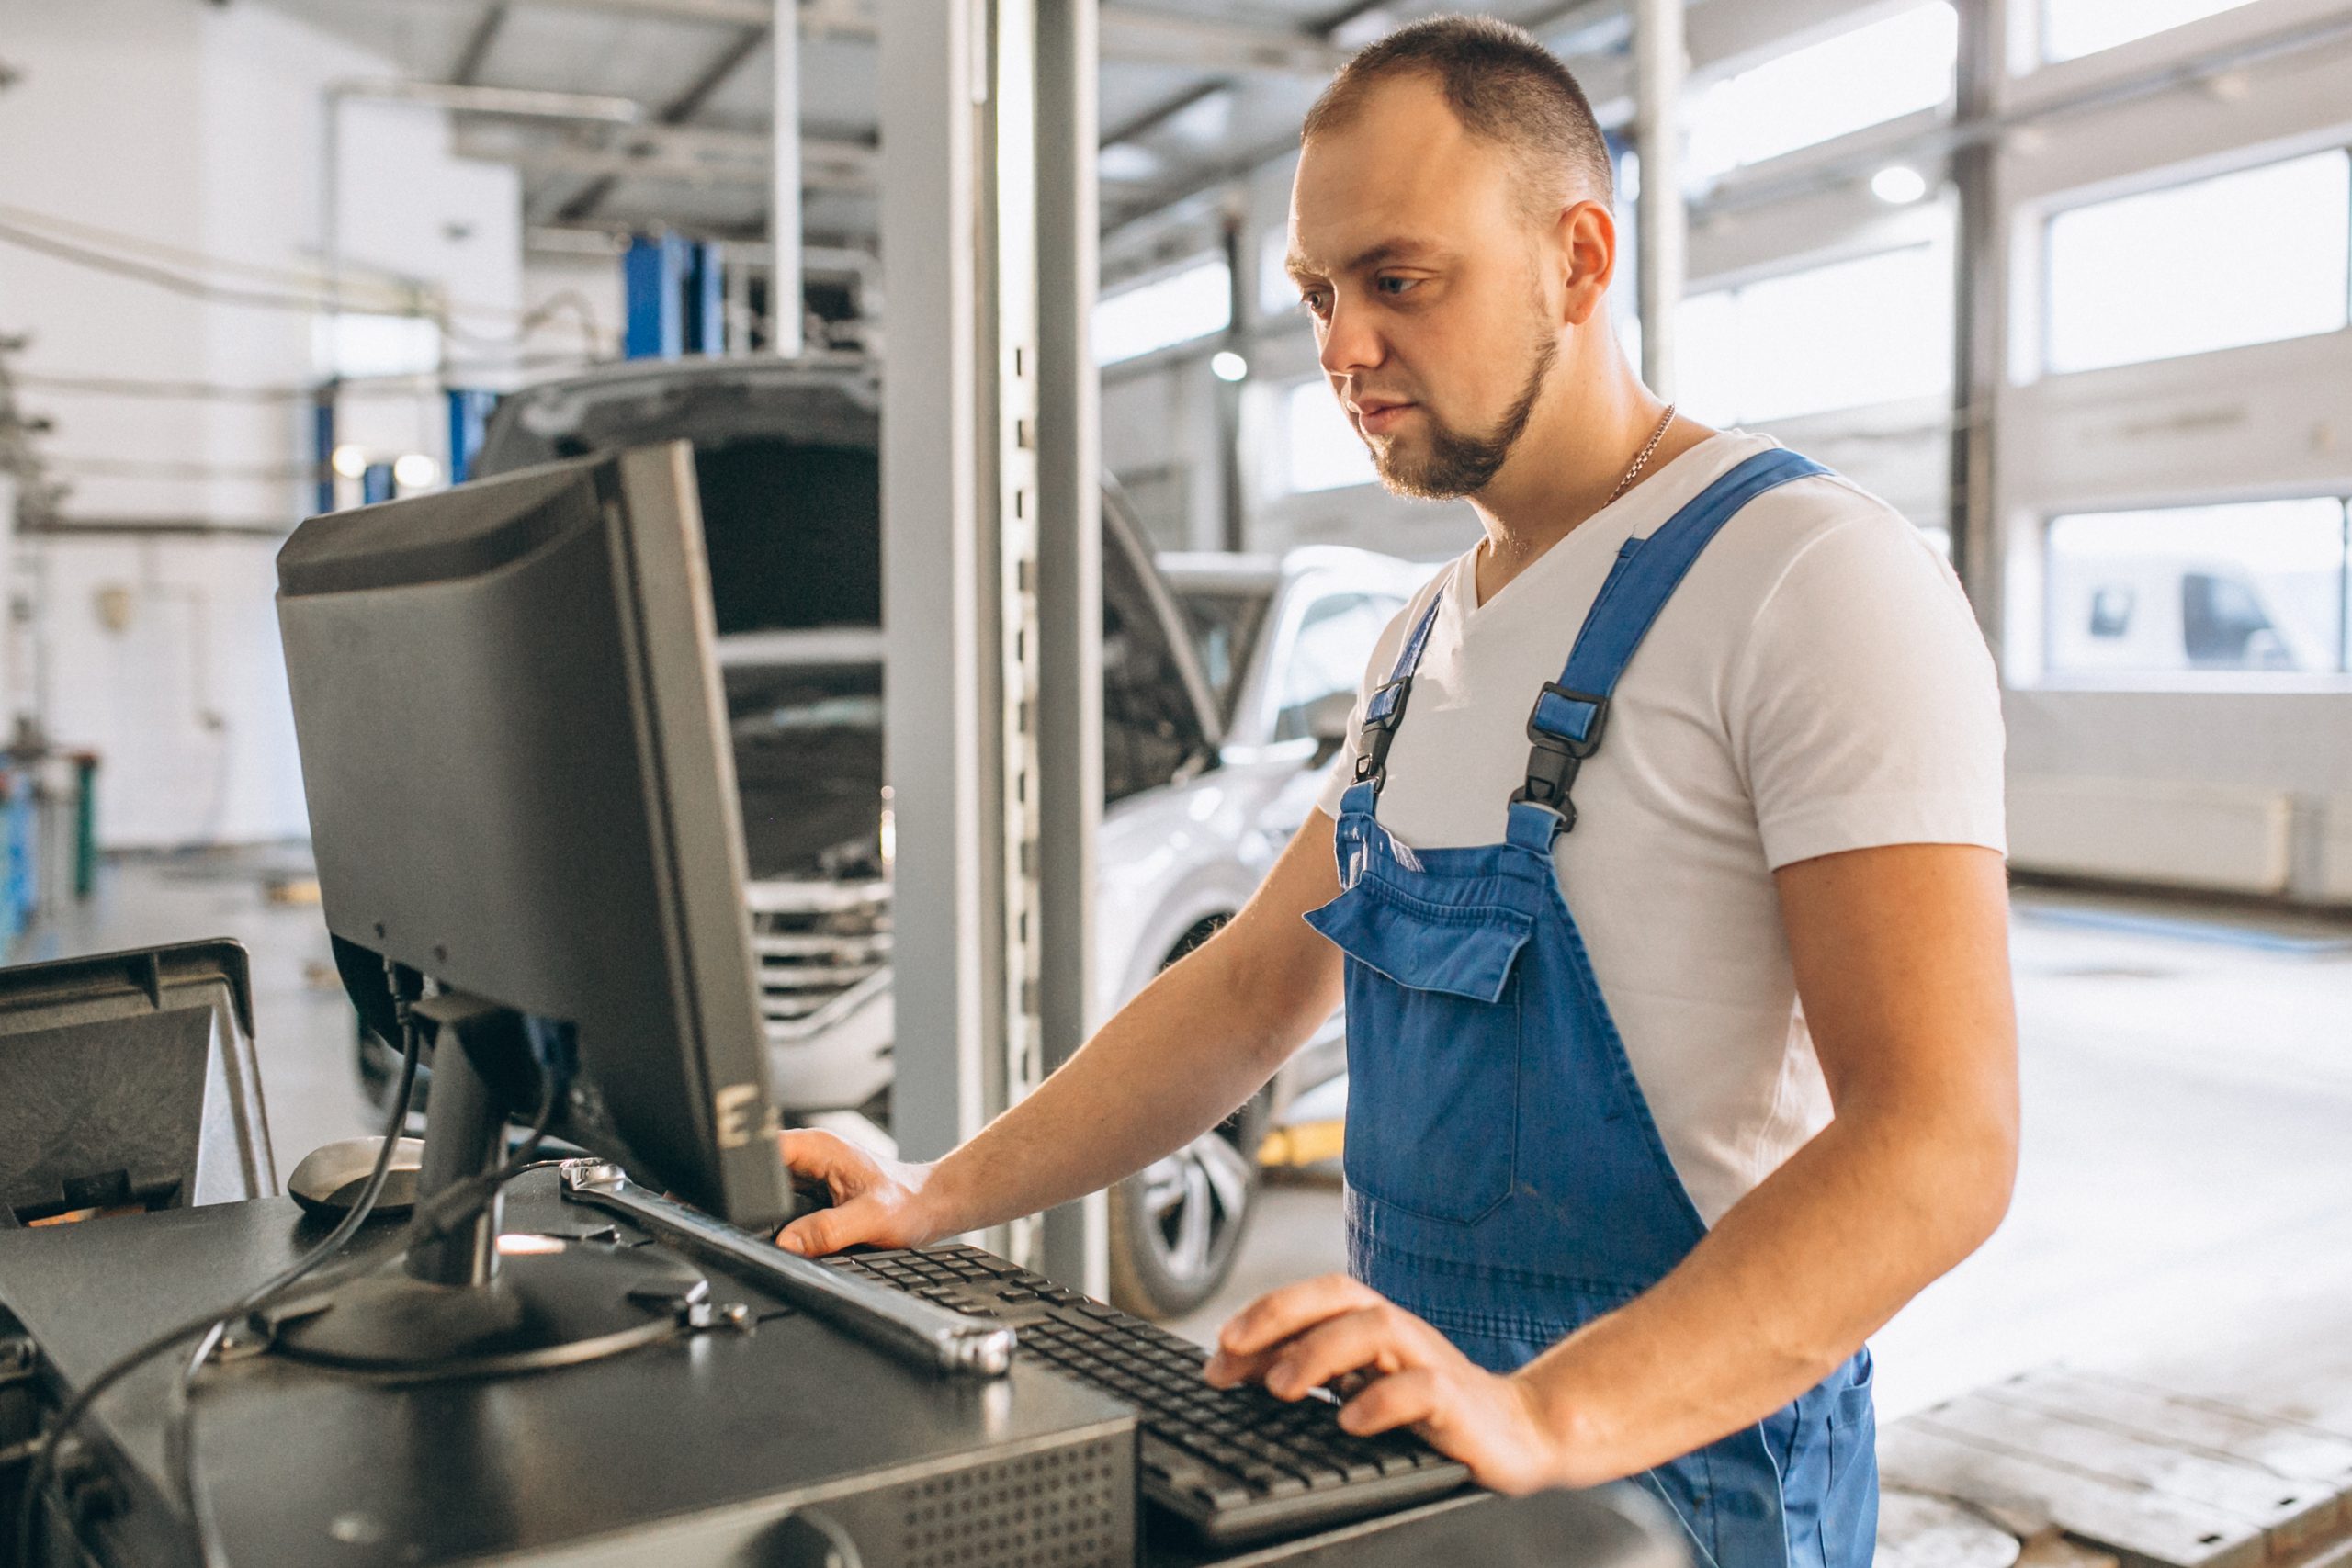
x=1177 y=1224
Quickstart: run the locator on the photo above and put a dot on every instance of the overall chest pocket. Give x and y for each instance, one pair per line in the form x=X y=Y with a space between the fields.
x=1433 y=1049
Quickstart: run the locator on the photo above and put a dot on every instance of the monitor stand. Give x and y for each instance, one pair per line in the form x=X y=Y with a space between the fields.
x=474 y=1302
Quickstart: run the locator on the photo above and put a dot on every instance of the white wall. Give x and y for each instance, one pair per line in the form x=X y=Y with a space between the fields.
x=188 y=132
x=594 y=282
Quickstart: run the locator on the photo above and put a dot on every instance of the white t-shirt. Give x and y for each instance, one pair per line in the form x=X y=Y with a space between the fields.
x=1816 y=683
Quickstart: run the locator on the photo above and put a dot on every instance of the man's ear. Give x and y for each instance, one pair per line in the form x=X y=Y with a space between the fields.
x=1585 y=244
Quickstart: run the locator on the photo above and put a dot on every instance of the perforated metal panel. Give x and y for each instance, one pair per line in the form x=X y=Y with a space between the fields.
x=1064 y=1508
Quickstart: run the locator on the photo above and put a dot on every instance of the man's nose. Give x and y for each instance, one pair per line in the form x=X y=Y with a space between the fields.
x=1350 y=343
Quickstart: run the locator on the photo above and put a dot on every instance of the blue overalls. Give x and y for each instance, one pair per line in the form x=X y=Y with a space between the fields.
x=1505 y=1179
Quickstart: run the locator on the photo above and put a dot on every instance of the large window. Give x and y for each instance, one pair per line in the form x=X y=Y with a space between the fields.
x=1323 y=450
x=2074 y=28
x=2257 y=588
x=1877 y=329
x=2248 y=257
x=360 y=343
x=1191 y=303
x=1895 y=66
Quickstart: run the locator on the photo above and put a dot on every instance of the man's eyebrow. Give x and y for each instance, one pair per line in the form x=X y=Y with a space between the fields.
x=1389 y=251
x=1303 y=270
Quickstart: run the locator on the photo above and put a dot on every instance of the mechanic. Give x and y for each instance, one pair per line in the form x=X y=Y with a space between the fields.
x=1663 y=882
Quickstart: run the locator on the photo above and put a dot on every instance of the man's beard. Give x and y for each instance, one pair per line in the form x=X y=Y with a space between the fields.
x=1458 y=464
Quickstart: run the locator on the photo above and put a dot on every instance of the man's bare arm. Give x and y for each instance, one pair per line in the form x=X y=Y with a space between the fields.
x=1902 y=963
x=1175 y=1061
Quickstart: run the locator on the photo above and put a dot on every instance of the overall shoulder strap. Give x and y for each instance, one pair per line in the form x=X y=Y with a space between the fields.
x=1571 y=712
x=1384 y=709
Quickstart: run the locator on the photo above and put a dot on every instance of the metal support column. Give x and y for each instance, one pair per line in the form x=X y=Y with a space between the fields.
x=938 y=447
x=1978 y=258
x=1009 y=228
x=785 y=309
x=1241 y=313
x=1660 y=63
x=1070 y=580
x=964 y=460
x=705 y=308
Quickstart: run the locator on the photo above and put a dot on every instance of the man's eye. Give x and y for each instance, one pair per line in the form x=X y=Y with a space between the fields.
x=1316 y=303
x=1392 y=287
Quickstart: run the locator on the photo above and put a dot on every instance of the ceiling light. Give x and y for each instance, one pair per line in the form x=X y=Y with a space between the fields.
x=1898 y=184
x=1227 y=365
x=349 y=461
x=416 y=470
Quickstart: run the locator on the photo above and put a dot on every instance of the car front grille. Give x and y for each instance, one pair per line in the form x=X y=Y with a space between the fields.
x=822 y=948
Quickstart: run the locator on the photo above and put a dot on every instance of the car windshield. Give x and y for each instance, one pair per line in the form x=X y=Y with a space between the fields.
x=1224 y=622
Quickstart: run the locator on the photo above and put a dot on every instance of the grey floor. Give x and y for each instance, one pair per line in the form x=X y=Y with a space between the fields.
x=2188 y=1168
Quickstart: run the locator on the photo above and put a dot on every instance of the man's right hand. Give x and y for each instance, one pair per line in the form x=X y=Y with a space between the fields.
x=876 y=1202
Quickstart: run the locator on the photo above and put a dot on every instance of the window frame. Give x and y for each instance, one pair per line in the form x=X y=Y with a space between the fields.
x=2029 y=348
x=2038 y=55
x=1915 y=230
x=2210 y=681
x=1834 y=148
x=1205 y=259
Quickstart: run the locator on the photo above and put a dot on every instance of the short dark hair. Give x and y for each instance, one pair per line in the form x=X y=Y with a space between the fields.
x=1502 y=85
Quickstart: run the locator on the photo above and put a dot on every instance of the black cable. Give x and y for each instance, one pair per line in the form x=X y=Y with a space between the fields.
x=44 y=1457
x=270 y=299
x=448 y=1210
x=161 y=277
x=179 y=1437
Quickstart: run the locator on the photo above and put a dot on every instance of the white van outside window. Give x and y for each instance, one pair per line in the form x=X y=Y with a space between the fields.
x=2258 y=587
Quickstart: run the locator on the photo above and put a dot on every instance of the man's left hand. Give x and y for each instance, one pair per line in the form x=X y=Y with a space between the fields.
x=1403 y=1373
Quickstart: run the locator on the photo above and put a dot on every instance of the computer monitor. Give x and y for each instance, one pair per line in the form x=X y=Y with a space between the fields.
x=515 y=750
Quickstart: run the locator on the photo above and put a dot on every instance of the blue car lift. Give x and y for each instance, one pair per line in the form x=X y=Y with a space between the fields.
x=469 y=413
x=675 y=304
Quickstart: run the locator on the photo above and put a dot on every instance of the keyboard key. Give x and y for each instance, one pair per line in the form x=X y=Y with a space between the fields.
x=1237 y=1463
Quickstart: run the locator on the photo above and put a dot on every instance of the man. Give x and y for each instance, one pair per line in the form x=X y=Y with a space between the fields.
x=1680 y=1032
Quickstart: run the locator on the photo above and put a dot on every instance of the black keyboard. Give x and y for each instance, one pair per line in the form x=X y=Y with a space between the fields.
x=1234 y=1464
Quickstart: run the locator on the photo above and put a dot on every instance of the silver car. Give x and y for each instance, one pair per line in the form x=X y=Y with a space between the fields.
x=1227 y=681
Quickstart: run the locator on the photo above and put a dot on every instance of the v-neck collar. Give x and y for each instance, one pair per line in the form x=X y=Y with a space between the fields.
x=1673 y=484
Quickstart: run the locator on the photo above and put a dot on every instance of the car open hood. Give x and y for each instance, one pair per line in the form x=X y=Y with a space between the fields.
x=830 y=569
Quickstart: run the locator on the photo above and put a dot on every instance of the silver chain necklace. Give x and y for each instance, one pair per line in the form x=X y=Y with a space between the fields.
x=1641 y=458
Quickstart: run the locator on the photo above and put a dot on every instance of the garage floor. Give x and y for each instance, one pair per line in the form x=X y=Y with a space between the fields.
x=2186 y=1178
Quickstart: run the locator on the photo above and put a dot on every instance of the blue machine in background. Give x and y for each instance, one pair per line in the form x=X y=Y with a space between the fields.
x=675 y=304
x=468 y=416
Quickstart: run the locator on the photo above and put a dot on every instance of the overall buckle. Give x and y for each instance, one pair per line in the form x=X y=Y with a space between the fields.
x=1403 y=686
x=1377 y=732
x=1554 y=759
x=1554 y=740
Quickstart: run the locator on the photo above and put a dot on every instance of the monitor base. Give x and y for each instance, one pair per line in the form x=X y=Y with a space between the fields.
x=554 y=1301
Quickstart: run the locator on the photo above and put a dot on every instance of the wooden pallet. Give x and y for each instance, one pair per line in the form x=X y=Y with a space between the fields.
x=2099 y=1470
